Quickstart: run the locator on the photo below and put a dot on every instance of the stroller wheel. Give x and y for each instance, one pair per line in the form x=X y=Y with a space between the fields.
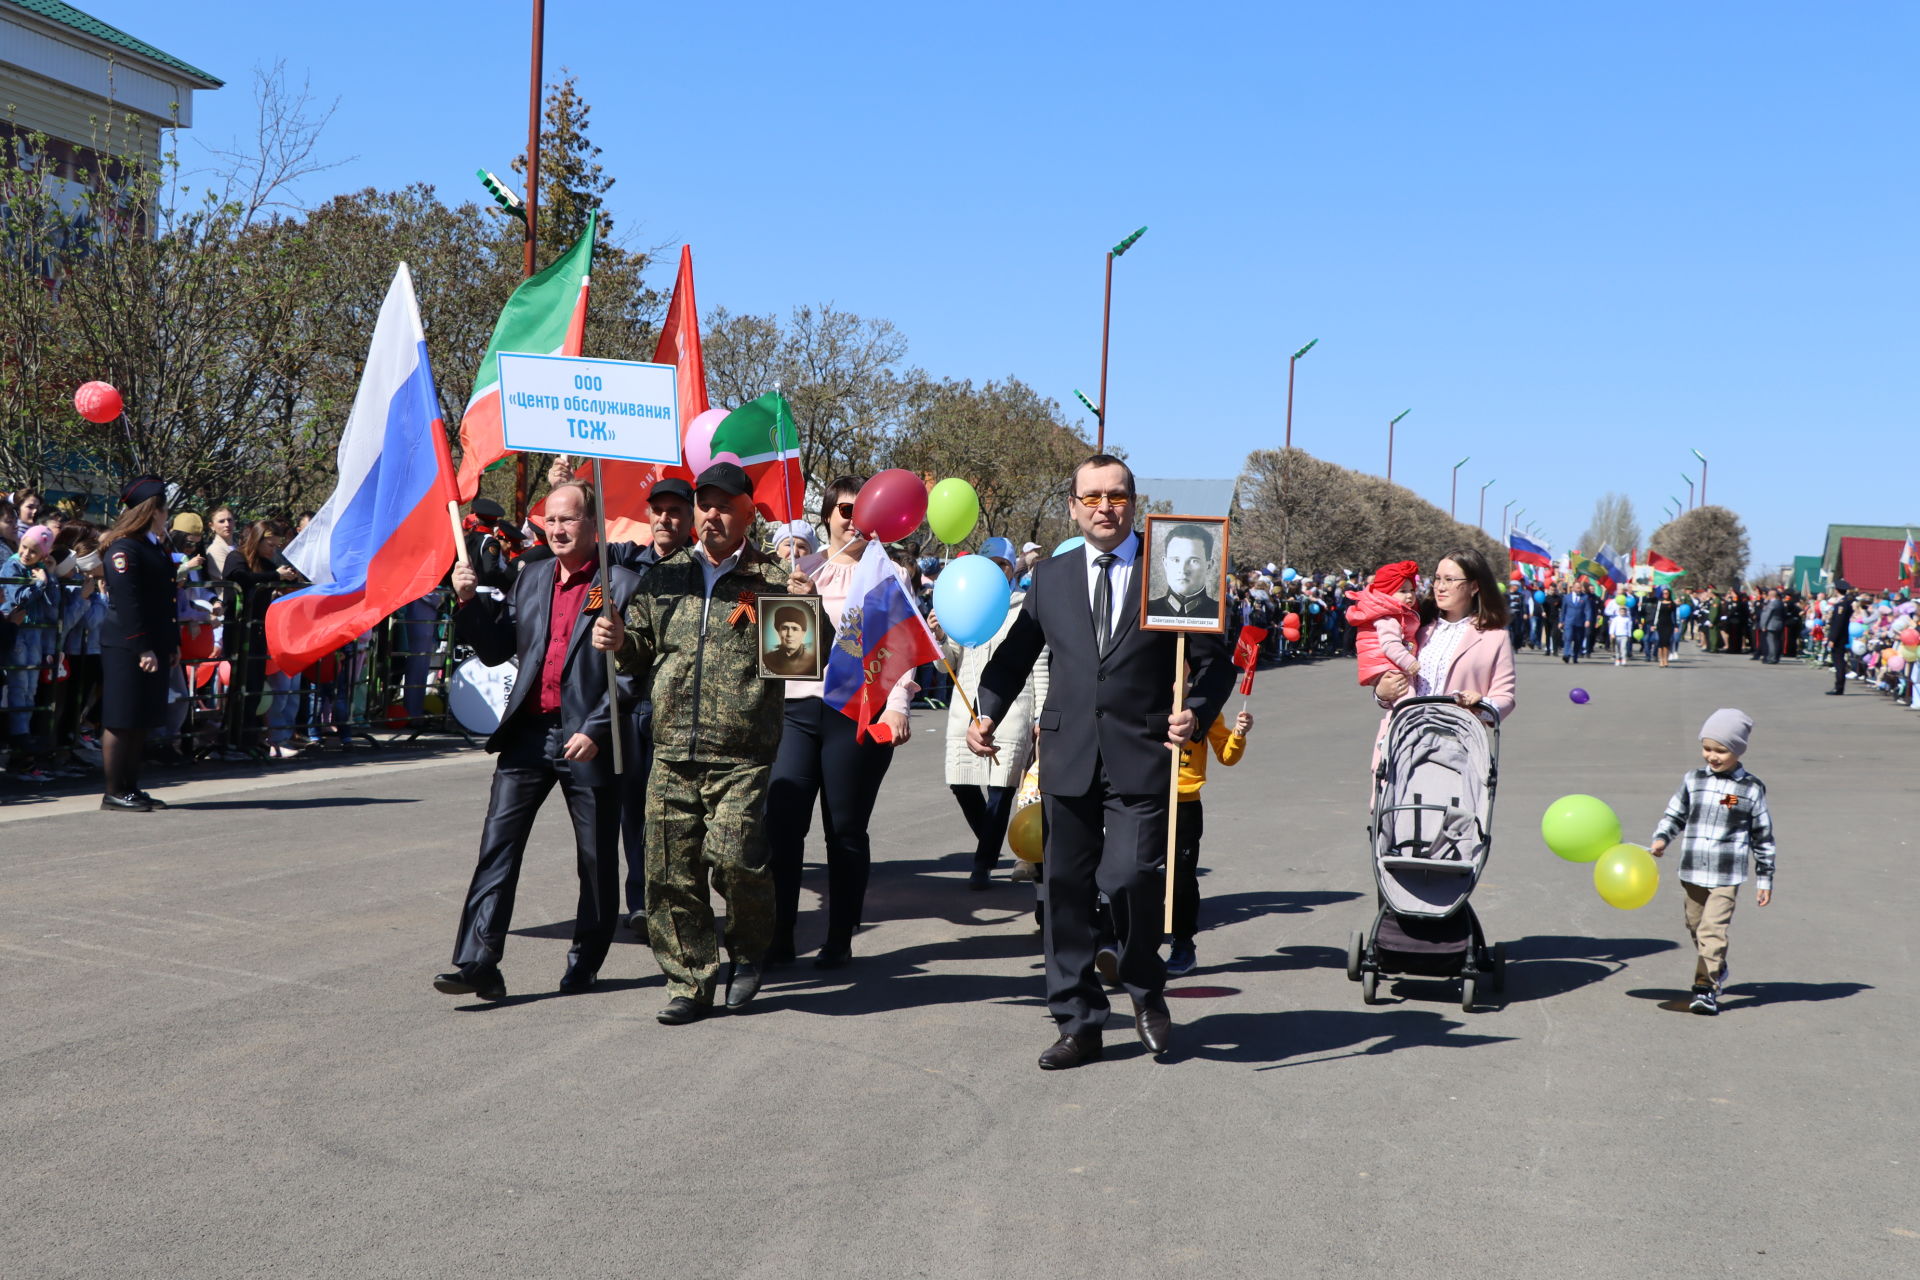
x=1469 y=987
x=1369 y=987
x=1356 y=947
x=1499 y=966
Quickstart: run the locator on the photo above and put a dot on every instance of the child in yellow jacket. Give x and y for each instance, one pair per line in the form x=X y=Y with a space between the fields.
x=1228 y=746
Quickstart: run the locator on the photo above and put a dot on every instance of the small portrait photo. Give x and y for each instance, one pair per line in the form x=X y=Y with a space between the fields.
x=791 y=642
x=1186 y=560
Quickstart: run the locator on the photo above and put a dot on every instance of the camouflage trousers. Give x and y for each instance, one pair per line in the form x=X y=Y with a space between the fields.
x=706 y=822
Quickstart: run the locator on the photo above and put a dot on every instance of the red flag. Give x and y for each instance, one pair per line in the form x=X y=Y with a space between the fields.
x=1660 y=564
x=624 y=485
x=1246 y=655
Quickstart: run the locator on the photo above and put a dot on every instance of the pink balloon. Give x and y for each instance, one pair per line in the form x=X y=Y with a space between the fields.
x=724 y=456
x=97 y=402
x=699 y=439
x=890 y=506
x=1896 y=662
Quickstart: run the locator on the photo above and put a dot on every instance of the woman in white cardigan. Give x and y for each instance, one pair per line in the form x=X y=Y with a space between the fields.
x=985 y=788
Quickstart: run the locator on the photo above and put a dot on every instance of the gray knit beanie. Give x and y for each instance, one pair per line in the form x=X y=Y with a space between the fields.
x=1730 y=728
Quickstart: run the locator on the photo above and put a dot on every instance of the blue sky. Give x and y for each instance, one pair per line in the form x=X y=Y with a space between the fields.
x=1578 y=240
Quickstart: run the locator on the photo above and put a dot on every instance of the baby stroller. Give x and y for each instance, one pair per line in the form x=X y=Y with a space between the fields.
x=1431 y=831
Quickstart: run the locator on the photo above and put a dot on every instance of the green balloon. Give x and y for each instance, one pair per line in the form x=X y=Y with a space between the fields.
x=1580 y=828
x=1639 y=634
x=953 y=508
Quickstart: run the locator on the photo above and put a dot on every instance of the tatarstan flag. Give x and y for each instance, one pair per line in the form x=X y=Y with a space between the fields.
x=1665 y=571
x=762 y=435
x=547 y=315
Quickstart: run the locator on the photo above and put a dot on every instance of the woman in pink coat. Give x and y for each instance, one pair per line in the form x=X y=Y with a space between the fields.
x=1464 y=647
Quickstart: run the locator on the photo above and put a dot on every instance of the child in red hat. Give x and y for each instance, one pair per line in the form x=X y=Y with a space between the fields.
x=1384 y=612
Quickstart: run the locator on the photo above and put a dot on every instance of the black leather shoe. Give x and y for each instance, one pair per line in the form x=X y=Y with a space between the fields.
x=128 y=803
x=743 y=986
x=473 y=980
x=835 y=953
x=1155 y=1025
x=1070 y=1051
x=981 y=879
x=153 y=801
x=681 y=1010
x=577 y=980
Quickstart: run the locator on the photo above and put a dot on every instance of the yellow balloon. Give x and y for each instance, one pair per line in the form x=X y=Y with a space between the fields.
x=1626 y=876
x=1024 y=835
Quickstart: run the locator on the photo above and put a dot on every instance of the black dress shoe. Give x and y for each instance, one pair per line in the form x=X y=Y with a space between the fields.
x=681 y=1010
x=743 y=985
x=835 y=953
x=153 y=801
x=1154 y=1023
x=128 y=803
x=1070 y=1051
x=981 y=879
x=473 y=980
x=577 y=980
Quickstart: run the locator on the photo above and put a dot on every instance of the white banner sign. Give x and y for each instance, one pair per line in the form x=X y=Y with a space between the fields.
x=620 y=409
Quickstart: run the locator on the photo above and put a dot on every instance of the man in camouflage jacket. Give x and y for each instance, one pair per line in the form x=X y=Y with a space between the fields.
x=692 y=631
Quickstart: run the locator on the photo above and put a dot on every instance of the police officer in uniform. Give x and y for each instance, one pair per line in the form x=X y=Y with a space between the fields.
x=692 y=632
x=138 y=640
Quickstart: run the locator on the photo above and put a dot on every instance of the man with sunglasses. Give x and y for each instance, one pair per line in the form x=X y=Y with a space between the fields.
x=1107 y=738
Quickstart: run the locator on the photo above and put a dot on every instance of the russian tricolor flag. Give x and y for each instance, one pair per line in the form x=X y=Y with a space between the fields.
x=880 y=638
x=383 y=539
x=1523 y=551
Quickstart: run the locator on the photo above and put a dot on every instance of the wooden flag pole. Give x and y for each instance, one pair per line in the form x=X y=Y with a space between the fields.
x=459 y=534
x=1173 y=782
x=607 y=610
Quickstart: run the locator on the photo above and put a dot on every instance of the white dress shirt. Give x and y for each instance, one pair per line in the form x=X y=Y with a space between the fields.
x=1436 y=655
x=714 y=572
x=1121 y=573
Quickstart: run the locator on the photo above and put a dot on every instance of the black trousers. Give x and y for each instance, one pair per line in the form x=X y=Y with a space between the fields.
x=1840 y=665
x=820 y=757
x=987 y=811
x=1188 y=825
x=530 y=766
x=633 y=822
x=1103 y=842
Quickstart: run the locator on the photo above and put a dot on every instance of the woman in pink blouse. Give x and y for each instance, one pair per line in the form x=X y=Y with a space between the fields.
x=819 y=756
x=1464 y=648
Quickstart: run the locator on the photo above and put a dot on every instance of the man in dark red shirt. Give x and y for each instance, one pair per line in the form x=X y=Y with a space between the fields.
x=557 y=731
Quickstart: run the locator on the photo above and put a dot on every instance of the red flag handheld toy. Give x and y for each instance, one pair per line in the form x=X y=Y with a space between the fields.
x=1246 y=655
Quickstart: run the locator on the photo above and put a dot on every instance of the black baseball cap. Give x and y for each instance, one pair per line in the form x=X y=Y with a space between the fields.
x=726 y=477
x=671 y=487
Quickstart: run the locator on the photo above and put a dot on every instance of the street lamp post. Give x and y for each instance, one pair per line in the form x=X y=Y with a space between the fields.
x=1106 y=330
x=1703 y=476
x=1504 y=526
x=1391 y=424
x=1453 y=502
x=1291 y=361
x=1483 y=506
x=1689 y=480
x=1518 y=512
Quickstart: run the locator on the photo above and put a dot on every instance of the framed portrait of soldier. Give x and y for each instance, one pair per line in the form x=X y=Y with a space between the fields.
x=792 y=642
x=1186 y=563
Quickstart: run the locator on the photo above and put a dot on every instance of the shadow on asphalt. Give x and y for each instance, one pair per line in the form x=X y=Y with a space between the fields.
x=1233 y=908
x=1751 y=995
x=305 y=802
x=1271 y=1039
x=900 y=980
x=1540 y=968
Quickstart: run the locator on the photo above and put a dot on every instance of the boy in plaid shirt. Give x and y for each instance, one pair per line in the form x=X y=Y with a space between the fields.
x=1720 y=816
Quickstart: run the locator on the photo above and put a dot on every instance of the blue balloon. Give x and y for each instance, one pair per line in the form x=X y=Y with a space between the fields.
x=971 y=598
x=1069 y=545
x=1288 y=575
x=1684 y=612
x=1855 y=630
x=1539 y=597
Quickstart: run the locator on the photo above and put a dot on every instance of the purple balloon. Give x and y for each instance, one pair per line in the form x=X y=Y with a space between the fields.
x=1578 y=695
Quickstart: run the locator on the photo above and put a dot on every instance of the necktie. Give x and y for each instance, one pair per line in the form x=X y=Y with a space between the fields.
x=1103 y=602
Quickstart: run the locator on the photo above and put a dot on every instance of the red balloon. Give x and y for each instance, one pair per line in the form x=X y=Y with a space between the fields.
x=1910 y=636
x=97 y=402
x=890 y=506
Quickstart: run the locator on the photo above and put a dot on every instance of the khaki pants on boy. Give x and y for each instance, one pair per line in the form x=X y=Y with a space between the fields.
x=1709 y=911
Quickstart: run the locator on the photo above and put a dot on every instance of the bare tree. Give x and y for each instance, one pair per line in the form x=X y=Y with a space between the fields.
x=1613 y=524
x=260 y=176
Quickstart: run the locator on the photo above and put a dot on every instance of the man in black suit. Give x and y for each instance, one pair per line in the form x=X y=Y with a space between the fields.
x=1107 y=743
x=558 y=729
x=1187 y=559
x=1839 y=640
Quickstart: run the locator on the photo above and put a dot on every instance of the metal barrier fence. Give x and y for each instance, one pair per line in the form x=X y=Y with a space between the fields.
x=225 y=702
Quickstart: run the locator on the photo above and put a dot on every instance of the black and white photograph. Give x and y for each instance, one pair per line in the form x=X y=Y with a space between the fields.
x=1186 y=560
x=790 y=638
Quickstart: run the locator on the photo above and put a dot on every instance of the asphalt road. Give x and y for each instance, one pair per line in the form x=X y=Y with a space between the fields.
x=220 y=1054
